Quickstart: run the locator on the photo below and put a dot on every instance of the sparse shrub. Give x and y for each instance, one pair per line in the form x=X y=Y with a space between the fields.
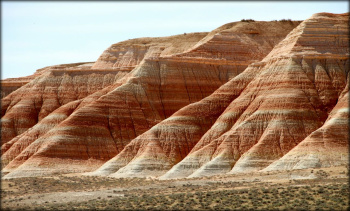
x=285 y=20
x=321 y=174
x=247 y=20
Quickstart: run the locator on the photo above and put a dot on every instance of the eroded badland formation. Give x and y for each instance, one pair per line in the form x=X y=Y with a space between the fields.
x=247 y=97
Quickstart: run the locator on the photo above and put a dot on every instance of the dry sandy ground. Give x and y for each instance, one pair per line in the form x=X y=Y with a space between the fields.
x=72 y=188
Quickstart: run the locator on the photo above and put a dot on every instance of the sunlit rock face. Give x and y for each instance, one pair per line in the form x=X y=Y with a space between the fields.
x=154 y=78
x=244 y=97
x=325 y=147
x=56 y=86
x=51 y=90
x=11 y=84
x=289 y=100
x=167 y=143
x=53 y=86
x=11 y=149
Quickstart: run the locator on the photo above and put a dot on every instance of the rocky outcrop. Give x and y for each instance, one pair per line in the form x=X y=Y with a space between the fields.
x=245 y=97
x=326 y=147
x=57 y=86
x=173 y=138
x=57 y=72
x=153 y=91
x=164 y=145
x=54 y=86
x=290 y=98
x=8 y=86
x=13 y=148
x=129 y=53
x=11 y=84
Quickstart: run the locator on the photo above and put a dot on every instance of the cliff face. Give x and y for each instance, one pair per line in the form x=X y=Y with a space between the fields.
x=260 y=115
x=291 y=97
x=236 y=99
x=129 y=53
x=168 y=142
x=54 y=86
x=327 y=146
x=163 y=82
x=57 y=86
x=11 y=84
x=11 y=149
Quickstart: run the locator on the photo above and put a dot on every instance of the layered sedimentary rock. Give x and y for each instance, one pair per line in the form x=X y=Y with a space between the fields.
x=246 y=96
x=8 y=86
x=290 y=98
x=11 y=149
x=153 y=91
x=11 y=84
x=64 y=83
x=57 y=86
x=167 y=143
x=173 y=138
x=152 y=153
x=326 y=147
x=129 y=53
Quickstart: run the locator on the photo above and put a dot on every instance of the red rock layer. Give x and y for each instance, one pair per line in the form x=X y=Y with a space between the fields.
x=58 y=71
x=327 y=146
x=153 y=91
x=289 y=99
x=130 y=53
x=11 y=84
x=168 y=142
x=73 y=81
x=13 y=148
x=26 y=106
x=8 y=86
x=164 y=145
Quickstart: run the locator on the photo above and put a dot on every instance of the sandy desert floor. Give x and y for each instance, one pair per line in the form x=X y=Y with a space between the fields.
x=309 y=189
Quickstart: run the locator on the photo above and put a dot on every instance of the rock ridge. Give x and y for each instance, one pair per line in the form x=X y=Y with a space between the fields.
x=243 y=97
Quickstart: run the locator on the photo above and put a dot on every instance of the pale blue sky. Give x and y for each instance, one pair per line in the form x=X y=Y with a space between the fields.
x=39 y=34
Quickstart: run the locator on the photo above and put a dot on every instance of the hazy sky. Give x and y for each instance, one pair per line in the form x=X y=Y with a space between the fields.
x=39 y=34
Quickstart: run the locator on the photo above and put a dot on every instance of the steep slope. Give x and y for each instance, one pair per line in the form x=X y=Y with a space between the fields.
x=54 y=86
x=129 y=53
x=57 y=86
x=327 y=146
x=167 y=143
x=11 y=149
x=290 y=98
x=64 y=83
x=154 y=90
x=11 y=84
x=173 y=138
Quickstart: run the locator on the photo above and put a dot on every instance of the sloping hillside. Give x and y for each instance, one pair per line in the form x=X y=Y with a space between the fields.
x=246 y=96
